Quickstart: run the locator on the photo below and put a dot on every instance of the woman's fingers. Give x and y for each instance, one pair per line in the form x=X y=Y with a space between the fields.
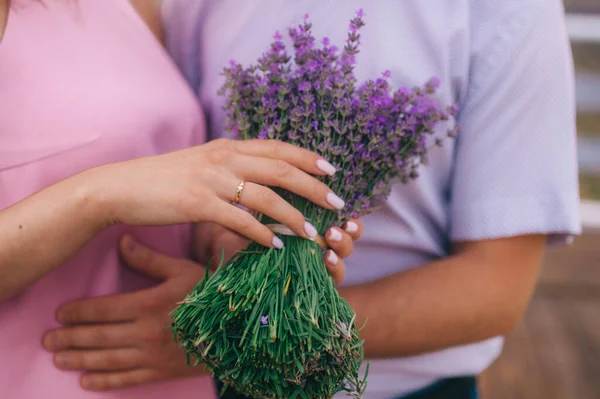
x=264 y=200
x=299 y=157
x=340 y=241
x=335 y=266
x=278 y=173
x=245 y=224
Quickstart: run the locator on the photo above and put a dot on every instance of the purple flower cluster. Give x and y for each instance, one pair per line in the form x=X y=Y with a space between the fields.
x=372 y=134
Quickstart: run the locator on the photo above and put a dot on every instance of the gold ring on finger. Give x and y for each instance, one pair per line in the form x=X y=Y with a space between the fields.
x=238 y=192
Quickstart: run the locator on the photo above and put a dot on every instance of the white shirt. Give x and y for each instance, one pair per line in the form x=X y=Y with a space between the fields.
x=512 y=170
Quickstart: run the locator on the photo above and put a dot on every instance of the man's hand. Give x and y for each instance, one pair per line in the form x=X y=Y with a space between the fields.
x=213 y=242
x=123 y=340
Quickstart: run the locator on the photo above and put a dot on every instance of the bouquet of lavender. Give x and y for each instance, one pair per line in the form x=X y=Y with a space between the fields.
x=270 y=323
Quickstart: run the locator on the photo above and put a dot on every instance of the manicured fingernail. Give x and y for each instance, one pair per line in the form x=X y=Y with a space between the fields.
x=351 y=227
x=332 y=257
x=130 y=243
x=277 y=243
x=335 y=235
x=310 y=230
x=326 y=167
x=335 y=201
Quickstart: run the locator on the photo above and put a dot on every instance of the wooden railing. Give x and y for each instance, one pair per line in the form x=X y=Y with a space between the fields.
x=584 y=27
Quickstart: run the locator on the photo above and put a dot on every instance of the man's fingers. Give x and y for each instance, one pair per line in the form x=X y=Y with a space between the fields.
x=91 y=336
x=95 y=381
x=354 y=228
x=335 y=266
x=340 y=241
x=146 y=261
x=107 y=309
x=105 y=359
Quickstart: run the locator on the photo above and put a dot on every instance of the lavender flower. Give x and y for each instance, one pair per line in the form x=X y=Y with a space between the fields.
x=375 y=136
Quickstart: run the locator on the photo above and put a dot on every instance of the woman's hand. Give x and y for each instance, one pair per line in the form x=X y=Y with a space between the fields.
x=212 y=242
x=197 y=184
x=200 y=184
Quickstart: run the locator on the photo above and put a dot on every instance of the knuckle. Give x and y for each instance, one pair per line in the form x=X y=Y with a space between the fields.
x=267 y=198
x=96 y=382
x=283 y=169
x=151 y=304
x=223 y=143
x=119 y=358
x=277 y=146
x=97 y=335
x=245 y=222
x=347 y=249
x=155 y=335
x=210 y=174
x=119 y=380
x=218 y=156
x=97 y=312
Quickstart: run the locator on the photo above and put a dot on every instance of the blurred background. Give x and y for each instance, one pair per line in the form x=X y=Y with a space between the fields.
x=555 y=352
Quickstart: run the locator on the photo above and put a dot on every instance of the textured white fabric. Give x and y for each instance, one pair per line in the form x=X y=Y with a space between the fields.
x=512 y=170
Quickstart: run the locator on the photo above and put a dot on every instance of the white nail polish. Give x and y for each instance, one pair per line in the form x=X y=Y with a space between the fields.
x=332 y=257
x=326 y=167
x=335 y=201
x=310 y=230
x=351 y=227
x=335 y=235
x=277 y=243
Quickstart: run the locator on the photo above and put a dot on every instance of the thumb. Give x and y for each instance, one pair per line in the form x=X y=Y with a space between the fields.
x=146 y=261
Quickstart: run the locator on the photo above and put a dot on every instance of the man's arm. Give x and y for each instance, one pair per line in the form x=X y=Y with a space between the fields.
x=479 y=292
x=514 y=175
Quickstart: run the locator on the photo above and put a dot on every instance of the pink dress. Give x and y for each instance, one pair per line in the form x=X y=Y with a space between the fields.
x=83 y=83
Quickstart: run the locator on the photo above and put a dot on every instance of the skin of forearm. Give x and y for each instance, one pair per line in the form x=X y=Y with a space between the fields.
x=462 y=299
x=45 y=230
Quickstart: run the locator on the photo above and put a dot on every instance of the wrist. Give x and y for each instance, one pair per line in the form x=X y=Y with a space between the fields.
x=94 y=200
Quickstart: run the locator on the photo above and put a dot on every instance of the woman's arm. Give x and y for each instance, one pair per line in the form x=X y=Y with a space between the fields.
x=46 y=229
x=193 y=185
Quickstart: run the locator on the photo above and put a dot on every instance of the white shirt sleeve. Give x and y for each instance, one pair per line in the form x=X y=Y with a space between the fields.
x=515 y=168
